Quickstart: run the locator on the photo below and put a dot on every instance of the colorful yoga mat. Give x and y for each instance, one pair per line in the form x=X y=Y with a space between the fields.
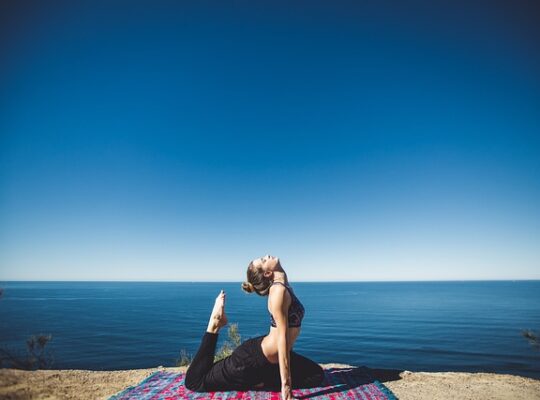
x=339 y=383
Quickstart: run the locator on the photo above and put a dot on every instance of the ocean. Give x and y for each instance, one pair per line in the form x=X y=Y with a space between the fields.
x=472 y=326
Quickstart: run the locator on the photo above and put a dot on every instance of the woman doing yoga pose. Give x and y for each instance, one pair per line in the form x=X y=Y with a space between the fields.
x=265 y=362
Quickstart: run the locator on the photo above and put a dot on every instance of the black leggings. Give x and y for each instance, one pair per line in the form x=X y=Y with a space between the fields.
x=246 y=367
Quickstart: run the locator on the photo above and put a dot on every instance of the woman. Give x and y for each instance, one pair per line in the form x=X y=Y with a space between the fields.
x=264 y=362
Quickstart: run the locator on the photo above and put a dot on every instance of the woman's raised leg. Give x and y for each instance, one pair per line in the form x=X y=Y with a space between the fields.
x=203 y=361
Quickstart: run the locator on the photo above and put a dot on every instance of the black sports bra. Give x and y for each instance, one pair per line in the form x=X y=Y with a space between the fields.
x=296 y=310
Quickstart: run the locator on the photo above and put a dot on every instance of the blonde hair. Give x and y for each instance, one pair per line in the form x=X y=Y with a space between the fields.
x=256 y=281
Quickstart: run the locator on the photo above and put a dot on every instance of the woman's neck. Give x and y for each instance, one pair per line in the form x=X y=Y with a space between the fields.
x=281 y=276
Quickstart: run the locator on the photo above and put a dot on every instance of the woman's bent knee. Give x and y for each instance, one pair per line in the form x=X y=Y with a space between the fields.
x=190 y=383
x=194 y=387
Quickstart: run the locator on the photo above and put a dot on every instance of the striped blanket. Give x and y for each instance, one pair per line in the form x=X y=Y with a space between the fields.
x=339 y=383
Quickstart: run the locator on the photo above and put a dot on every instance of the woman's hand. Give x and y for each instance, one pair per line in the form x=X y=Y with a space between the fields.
x=286 y=393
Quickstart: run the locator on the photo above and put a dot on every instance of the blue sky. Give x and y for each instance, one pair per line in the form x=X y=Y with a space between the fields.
x=354 y=140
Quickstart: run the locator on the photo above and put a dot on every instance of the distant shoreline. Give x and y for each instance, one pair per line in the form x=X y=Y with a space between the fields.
x=85 y=384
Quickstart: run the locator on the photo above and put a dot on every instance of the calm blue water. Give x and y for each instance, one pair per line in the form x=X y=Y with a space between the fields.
x=419 y=326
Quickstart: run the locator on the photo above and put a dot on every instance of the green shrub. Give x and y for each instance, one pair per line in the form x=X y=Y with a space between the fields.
x=184 y=359
x=533 y=338
x=36 y=357
x=224 y=351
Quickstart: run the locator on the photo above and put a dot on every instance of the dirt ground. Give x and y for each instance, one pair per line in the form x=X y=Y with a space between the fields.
x=81 y=384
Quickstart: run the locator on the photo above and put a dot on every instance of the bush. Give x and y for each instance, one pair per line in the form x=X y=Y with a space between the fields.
x=228 y=347
x=37 y=356
x=224 y=351
x=184 y=360
x=532 y=338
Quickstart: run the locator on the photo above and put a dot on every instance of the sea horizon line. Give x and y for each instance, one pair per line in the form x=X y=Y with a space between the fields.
x=295 y=281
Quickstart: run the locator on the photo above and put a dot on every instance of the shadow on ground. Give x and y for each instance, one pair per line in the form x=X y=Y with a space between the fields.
x=343 y=379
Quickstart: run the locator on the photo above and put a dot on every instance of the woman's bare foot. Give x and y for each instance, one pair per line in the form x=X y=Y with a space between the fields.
x=218 y=318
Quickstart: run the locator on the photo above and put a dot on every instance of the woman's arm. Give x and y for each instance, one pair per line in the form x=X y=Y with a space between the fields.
x=278 y=308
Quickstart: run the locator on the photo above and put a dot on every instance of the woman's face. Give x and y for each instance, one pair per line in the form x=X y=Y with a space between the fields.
x=267 y=262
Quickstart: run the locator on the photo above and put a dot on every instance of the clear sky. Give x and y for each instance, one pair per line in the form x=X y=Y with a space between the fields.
x=364 y=140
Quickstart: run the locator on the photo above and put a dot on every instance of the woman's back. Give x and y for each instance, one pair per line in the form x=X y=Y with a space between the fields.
x=295 y=313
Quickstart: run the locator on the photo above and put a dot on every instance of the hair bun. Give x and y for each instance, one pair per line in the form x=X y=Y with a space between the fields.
x=248 y=287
